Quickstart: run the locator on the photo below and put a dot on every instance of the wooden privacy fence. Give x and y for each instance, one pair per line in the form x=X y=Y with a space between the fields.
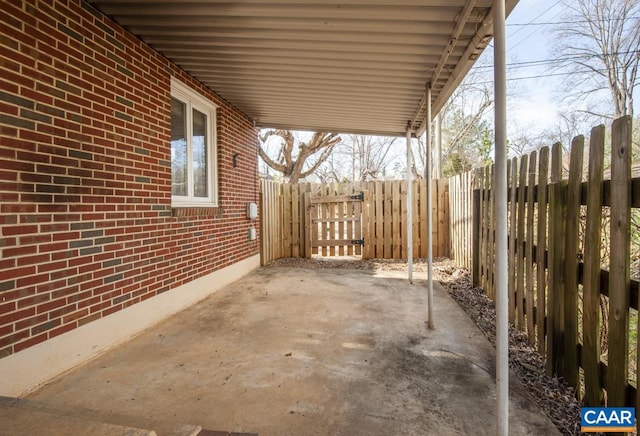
x=461 y=218
x=557 y=284
x=286 y=221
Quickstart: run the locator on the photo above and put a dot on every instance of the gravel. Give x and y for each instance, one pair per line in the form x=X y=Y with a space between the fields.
x=556 y=399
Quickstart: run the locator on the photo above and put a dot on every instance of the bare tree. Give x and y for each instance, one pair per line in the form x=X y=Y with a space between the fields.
x=464 y=127
x=298 y=159
x=369 y=156
x=599 y=43
x=360 y=158
x=331 y=170
x=463 y=118
x=468 y=141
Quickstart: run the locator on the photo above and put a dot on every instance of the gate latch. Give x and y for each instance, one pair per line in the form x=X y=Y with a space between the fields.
x=359 y=196
x=357 y=242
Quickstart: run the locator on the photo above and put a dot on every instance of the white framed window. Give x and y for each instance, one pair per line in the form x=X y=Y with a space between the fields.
x=194 y=180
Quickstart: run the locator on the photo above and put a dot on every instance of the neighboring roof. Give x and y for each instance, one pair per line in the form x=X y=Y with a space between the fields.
x=358 y=66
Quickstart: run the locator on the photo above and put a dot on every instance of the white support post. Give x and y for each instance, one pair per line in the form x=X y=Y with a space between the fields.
x=427 y=177
x=409 y=207
x=501 y=266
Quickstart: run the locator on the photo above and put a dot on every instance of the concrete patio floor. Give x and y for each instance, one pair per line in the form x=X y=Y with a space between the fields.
x=290 y=351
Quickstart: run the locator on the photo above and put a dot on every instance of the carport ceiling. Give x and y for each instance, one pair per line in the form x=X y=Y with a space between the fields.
x=356 y=66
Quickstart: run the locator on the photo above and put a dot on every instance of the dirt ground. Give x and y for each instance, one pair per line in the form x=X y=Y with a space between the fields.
x=307 y=348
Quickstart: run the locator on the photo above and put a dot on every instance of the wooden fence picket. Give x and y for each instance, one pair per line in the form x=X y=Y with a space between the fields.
x=591 y=288
x=417 y=225
x=555 y=308
x=619 y=272
x=403 y=219
x=492 y=233
x=460 y=194
x=520 y=232
x=529 y=248
x=423 y=211
x=570 y=345
x=513 y=222
x=488 y=231
x=541 y=250
x=394 y=217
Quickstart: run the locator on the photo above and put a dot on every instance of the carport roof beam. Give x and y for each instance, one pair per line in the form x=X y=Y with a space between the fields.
x=450 y=47
x=453 y=40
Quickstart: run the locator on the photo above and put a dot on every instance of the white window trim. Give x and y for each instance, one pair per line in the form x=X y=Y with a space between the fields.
x=195 y=100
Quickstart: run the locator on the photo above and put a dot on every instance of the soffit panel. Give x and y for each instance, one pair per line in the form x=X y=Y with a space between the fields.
x=353 y=66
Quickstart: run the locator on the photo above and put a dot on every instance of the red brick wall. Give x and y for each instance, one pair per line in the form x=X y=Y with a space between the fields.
x=87 y=227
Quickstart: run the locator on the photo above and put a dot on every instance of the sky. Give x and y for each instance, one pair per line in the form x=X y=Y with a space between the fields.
x=527 y=41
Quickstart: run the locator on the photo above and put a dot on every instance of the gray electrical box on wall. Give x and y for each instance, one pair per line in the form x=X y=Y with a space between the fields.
x=252 y=211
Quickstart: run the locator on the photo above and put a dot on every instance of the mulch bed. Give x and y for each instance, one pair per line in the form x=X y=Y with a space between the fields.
x=556 y=398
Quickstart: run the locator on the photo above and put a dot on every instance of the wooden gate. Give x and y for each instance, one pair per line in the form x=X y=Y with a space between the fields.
x=334 y=224
x=285 y=215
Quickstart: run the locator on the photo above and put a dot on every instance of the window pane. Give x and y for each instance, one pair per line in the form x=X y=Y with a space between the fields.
x=199 y=153
x=178 y=148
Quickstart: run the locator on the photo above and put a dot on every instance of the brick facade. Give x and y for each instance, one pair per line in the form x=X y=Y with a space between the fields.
x=87 y=227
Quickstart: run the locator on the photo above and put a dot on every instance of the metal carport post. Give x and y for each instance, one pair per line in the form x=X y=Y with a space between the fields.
x=427 y=177
x=502 y=321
